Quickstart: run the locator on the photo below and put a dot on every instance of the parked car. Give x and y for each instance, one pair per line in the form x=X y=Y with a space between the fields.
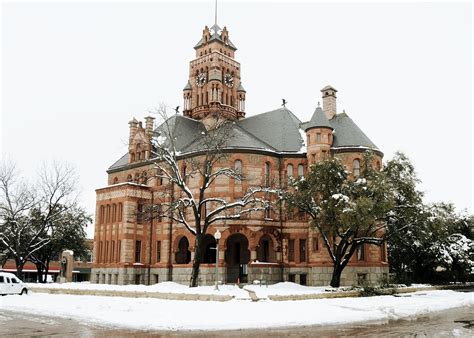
x=11 y=285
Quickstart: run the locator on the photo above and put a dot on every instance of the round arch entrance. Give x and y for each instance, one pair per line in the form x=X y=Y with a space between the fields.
x=237 y=256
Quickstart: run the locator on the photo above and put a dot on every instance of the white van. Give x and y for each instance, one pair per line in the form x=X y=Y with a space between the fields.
x=11 y=285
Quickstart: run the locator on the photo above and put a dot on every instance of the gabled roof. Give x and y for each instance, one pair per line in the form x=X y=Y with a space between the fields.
x=318 y=120
x=216 y=36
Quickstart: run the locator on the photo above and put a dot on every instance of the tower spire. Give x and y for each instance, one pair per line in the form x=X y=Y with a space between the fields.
x=215 y=13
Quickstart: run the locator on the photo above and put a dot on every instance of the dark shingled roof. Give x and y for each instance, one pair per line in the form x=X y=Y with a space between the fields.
x=348 y=134
x=279 y=128
x=276 y=131
x=237 y=138
x=188 y=86
x=318 y=120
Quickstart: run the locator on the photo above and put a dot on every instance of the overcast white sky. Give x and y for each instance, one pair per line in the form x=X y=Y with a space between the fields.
x=74 y=74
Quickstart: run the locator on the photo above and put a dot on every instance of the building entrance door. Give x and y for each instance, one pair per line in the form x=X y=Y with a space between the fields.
x=237 y=256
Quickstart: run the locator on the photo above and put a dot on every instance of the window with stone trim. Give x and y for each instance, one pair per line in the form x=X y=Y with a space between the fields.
x=238 y=170
x=138 y=251
x=114 y=213
x=361 y=252
x=120 y=212
x=140 y=212
x=112 y=254
x=119 y=250
x=99 y=257
x=289 y=172
x=318 y=138
x=101 y=214
x=291 y=250
x=158 y=251
x=300 y=170
x=107 y=220
x=267 y=174
x=302 y=250
x=315 y=244
x=356 y=168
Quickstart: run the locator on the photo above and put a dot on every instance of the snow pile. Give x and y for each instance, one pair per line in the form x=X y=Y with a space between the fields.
x=288 y=289
x=164 y=287
x=159 y=314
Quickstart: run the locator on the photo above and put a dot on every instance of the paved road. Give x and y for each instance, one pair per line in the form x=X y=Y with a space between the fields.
x=457 y=322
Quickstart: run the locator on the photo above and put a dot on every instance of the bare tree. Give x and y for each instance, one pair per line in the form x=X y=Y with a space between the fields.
x=28 y=212
x=193 y=205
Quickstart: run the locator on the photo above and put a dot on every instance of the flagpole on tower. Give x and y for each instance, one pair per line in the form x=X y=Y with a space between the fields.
x=215 y=13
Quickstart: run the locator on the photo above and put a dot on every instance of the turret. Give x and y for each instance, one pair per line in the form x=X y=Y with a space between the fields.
x=319 y=136
x=139 y=144
x=241 y=98
x=187 y=96
x=329 y=101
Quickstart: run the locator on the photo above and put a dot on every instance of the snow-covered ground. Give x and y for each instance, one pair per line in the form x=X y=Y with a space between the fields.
x=164 y=287
x=158 y=314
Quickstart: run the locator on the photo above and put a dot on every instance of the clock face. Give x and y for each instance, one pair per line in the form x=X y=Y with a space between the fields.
x=229 y=80
x=201 y=79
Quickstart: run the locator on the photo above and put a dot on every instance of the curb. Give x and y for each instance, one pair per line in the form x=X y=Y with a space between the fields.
x=135 y=294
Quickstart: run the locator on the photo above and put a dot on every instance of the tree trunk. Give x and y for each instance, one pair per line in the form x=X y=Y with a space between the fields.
x=336 y=275
x=39 y=273
x=196 y=263
x=19 y=268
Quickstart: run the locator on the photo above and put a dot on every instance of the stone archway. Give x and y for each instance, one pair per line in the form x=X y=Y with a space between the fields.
x=237 y=256
x=183 y=255
x=208 y=252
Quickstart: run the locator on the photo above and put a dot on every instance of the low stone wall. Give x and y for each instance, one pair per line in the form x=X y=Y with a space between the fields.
x=135 y=294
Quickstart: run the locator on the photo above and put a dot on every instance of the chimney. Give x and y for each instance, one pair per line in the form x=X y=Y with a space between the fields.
x=329 y=101
x=149 y=126
x=133 y=129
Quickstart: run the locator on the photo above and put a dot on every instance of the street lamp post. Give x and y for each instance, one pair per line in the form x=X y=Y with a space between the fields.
x=217 y=237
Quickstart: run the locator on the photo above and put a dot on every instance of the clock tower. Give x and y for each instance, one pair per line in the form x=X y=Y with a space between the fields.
x=214 y=88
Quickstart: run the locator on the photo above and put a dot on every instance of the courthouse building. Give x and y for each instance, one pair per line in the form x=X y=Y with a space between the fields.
x=268 y=148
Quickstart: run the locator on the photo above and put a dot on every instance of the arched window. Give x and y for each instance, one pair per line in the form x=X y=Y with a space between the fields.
x=115 y=180
x=267 y=174
x=101 y=214
x=238 y=169
x=144 y=177
x=300 y=170
x=129 y=178
x=183 y=255
x=114 y=213
x=108 y=214
x=356 y=168
x=289 y=172
x=184 y=173
x=120 y=212
x=137 y=178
